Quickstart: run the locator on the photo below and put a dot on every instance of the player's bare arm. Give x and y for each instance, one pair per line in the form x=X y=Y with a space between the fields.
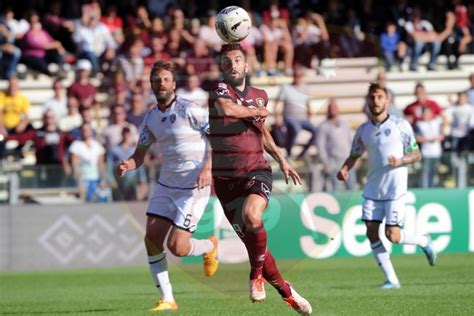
x=205 y=175
x=134 y=162
x=407 y=159
x=228 y=108
x=343 y=174
x=271 y=148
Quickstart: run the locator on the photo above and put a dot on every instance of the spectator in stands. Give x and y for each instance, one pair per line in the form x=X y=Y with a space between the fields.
x=334 y=141
x=208 y=34
x=58 y=103
x=253 y=43
x=393 y=49
x=157 y=28
x=93 y=39
x=157 y=45
x=127 y=185
x=200 y=62
x=18 y=28
x=113 y=132
x=86 y=118
x=460 y=115
x=73 y=118
x=82 y=89
x=296 y=111
x=175 y=47
x=275 y=11
x=414 y=111
x=40 y=49
x=422 y=36
x=311 y=38
x=14 y=109
x=131 y=63
x=58 y=26
x=114 y=23
x=136 y=114
x=192 y=91
x=351 y=37
x=49 y=141
x=277 y=37
x=456 y=36
x=178 y=24
x=87 y=159
x=470 y=91
x=9 y=53
x=429 y=133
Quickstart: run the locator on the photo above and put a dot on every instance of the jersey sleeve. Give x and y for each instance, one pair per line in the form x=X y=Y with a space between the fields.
x=408 y=137
x=146 y=137
x=198 y=118
x=358 y=147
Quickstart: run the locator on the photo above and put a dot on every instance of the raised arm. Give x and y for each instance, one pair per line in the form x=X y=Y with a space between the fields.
x=271 y=148
x=228 y=108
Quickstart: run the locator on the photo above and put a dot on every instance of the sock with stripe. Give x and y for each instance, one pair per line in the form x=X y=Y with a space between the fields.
x=383 y=259
x=159 y=272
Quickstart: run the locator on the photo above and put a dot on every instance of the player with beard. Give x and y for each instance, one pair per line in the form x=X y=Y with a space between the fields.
x=242 y=176
x=391 y=145
x=182 y=192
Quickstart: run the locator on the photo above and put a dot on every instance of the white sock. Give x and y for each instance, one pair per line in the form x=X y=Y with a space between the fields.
x=407 y=238
x=200 y=246
x=383 y=259
x=159 y=273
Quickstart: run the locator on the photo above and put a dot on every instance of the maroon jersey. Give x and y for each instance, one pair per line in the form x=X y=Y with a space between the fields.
x=237 y=144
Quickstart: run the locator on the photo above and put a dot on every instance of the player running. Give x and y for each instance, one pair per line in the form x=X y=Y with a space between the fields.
x=242 y=176
x=391 y=145
x=182 y=191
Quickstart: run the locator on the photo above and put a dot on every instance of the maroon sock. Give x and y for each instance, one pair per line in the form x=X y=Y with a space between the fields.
x=256 y=243
x=273 y=276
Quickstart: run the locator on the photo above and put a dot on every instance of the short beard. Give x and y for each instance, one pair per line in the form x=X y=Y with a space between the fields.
x=234 y=82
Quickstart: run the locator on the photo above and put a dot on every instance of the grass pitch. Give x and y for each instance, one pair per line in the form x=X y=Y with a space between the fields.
x=333 y=286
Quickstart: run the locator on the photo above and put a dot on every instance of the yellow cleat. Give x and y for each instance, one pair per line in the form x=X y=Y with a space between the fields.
x=163 y=306
x=210 y=259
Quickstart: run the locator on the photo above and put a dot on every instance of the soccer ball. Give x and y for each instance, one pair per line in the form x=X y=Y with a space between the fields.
x=233 y=24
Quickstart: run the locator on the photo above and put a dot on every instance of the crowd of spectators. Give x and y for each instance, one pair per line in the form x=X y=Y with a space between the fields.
x=119 y=46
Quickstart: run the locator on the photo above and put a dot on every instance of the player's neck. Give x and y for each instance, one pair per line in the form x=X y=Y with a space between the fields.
x=380 y=118
x=163 y=105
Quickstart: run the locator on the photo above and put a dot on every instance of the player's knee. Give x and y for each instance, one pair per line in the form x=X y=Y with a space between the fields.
x=177 y=248
x=373 y=236
x=252 y=220
x=152 y=246
x=393 y=236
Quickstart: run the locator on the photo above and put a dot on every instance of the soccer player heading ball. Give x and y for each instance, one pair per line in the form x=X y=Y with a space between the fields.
x=180 y=127
x=242 y=176
x=391 y=146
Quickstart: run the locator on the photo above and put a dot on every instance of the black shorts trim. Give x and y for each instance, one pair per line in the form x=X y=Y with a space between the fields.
x=185 y=229
x=175 y=188
x=372 y=220
x=393 y=225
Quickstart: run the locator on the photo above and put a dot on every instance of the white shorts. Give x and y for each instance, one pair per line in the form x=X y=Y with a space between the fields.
x=393 y=211
x=182 y=207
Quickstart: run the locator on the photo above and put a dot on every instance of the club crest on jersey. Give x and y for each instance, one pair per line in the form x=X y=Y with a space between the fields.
x=172 y=118
x=387 y=132
x=260 y=102
x=222 y=89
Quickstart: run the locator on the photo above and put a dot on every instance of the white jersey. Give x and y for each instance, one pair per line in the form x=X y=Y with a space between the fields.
x=181 y=134
x=392 y=137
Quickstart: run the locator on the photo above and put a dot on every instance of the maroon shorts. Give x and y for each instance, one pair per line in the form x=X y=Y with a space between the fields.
x=232 y=193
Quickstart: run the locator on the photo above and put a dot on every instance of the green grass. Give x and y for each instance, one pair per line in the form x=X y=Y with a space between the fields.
x=333 y=286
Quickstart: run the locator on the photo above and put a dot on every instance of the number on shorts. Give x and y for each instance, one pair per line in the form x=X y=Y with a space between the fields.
x=238 y=230
x=187 y=220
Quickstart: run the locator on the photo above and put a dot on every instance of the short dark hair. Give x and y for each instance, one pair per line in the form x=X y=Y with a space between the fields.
x=230 y=47
x=374 y=86
x=162 y=65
